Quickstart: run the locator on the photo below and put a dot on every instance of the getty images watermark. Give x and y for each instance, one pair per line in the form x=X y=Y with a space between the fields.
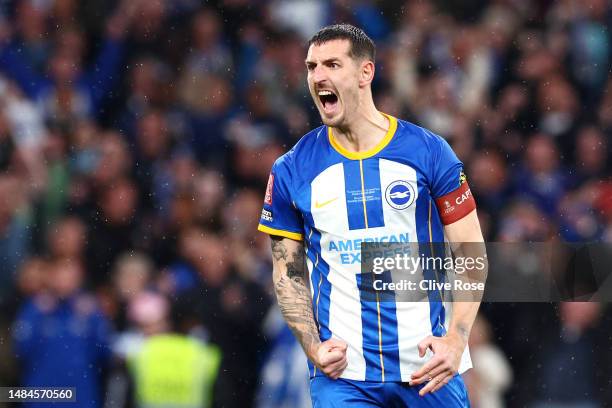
x=411 y=265
x=489 y=272
x=417 y=272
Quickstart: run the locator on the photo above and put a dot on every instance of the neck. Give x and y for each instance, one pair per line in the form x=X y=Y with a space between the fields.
x=366 y=129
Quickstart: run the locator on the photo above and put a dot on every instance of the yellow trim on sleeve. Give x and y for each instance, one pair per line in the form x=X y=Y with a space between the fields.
x=368 y=153
x=287 y=234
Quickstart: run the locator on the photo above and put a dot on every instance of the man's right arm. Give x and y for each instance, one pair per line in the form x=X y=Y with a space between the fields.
x=290 y=277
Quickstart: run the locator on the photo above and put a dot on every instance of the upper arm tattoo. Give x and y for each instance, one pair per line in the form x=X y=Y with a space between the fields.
x=279 y=251
x=296 y=269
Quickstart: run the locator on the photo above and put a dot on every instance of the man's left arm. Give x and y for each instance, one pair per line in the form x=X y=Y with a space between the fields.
x=466 y=240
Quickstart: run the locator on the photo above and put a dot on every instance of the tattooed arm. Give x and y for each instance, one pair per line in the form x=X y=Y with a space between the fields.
x=293 y=291
x=290 y=276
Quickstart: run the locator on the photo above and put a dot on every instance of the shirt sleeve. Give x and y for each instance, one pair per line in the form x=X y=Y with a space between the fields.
x=449 y=187
x=279 y=215
x=446 y=168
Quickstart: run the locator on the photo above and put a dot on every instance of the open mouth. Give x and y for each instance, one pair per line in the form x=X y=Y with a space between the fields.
x=329 y=100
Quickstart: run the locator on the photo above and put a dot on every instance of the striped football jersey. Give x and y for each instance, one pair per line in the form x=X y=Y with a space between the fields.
x=336 y=200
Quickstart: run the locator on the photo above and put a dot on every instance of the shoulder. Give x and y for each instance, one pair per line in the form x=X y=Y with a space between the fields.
x=307 y=146
x=29 y=308
x=85 y=305
x=418 y=134
x=423 y=148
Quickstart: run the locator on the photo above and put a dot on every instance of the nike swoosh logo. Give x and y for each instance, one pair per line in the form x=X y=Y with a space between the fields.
x=324 y=203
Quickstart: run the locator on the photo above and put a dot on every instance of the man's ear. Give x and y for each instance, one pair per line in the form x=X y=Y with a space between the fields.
x=366 y=75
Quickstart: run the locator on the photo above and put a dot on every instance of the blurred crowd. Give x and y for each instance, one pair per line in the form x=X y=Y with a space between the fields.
x=136 y=137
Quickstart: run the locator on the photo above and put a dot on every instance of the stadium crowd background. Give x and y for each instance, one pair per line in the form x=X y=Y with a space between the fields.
x=136 y=137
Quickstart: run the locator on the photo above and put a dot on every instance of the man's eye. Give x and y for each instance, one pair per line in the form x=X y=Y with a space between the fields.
x=334 y=65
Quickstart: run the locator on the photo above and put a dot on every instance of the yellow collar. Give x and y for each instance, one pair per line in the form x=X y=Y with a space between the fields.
x=368 y=153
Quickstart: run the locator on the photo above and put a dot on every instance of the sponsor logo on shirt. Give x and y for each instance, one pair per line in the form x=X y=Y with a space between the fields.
x=349 y=250
x=324 y=203
x=266 y=215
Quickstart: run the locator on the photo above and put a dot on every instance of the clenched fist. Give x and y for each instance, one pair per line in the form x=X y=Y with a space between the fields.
x=330 y=357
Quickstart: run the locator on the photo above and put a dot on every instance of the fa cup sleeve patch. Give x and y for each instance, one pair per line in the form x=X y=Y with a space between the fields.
x=269 y=188
x=456 y=204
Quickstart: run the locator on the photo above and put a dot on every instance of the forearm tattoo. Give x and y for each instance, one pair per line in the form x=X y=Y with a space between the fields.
x=293 y=293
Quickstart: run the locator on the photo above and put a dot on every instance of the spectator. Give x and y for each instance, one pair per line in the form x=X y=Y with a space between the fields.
x=208 y=54
x=67 y=239
x=30 y=282
x=69 y=94
x=63 y=327
x=170 y=368
x=542 y=178
x=573 y=347
x=232 y=309
x=14 y=244
x=285 y=373
x=133 y=273
x=146 y=81
x=492 y=374
x=591 y=154
x=114 y=229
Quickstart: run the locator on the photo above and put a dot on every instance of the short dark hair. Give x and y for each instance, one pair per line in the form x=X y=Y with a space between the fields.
x=362 y=46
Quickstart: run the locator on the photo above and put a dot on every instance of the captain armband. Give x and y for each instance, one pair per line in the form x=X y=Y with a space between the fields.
x=456 y=204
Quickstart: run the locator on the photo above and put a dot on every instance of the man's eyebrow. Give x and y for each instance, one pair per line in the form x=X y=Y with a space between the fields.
x=327 y=61
x=333 y=59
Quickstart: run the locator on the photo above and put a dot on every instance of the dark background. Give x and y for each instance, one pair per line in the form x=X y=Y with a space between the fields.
x=136 y=139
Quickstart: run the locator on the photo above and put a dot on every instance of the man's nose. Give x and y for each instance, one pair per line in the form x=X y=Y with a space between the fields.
x=318 y=75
